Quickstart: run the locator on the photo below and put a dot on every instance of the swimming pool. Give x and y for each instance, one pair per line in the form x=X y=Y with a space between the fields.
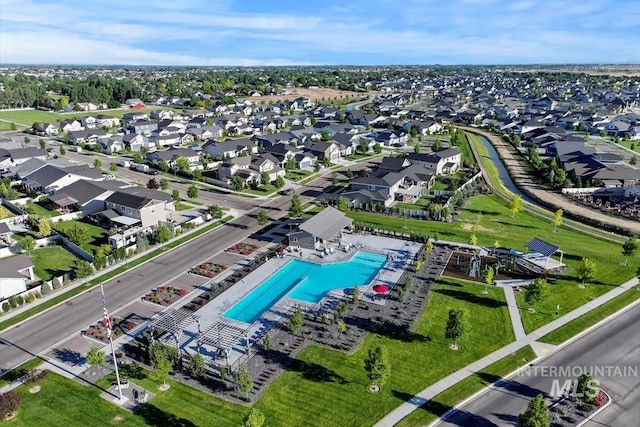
x=306 y=281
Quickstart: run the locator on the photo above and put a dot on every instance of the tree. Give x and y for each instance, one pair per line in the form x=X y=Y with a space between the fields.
x=253 y=418
x=473 y=239
x=457 y=325
x=4 y=213
x=536 y=292
x=296 y=320
x=586 y=270
x=296 y=207
x=237 y=184
x=82 y=269
x=196 y=366
x=163 y=166
x=334 y=177
x=377 y=366
x=192 y=191
x=536 y=414
x=437 y=145
x=153 y=184
x=341 y=326
x=487 y=276
x=364 y=146
x=163 y=367
x=45 y=289
x=97 y=164
x=280 y=182
x=557 y=219
x=416 y=148
x=349 y=173
x=243 y=380
x=27 y=244
x=515 y=207
x=629 y=249
x=264 y=178
x=215 y=211
x=27 y=140
x=78 y=235
x=263 y=218
x=164 y=183
x=343 y=204
x=113 y=167
x=62 y=151
x=162 y=234
x=95 y=357
x=175 y=195
x=559 y=178
x=182 y=165
x=9 y=403
x=42 y=143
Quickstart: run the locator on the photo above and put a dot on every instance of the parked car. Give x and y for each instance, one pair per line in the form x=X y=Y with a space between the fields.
x=287 y=191
x=152 y=172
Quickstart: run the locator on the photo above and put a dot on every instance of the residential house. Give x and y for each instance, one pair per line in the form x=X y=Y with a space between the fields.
x=137 y=116
x=171 y=155
x=325 y=150
x=70 y=125
x=273 y=139
x=49 y=178
x=16 y=156
x=143 y=127
x=205 y=133
x=148 y=208
x=134 y=141
x=85 y=195
x=45 y=129
x=229 y=149
x=443 y=162
x=89 y=122
x=15 y=273
x=392 y=138
x=111 y=144
x=87 y=137
x=230 y=168
x=161 y=114
x=385 y=184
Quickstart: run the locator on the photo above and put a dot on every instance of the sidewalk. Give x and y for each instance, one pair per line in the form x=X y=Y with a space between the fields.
x=430 y=392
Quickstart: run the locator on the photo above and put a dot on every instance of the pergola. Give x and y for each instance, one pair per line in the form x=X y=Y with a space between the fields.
x=174 y=322
x=224 y=336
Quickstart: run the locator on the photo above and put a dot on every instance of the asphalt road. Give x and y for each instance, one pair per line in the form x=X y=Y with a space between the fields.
x=38 y=334
x=616 y=343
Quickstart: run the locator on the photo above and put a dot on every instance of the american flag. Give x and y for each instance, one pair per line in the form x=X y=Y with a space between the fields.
x=105 y=314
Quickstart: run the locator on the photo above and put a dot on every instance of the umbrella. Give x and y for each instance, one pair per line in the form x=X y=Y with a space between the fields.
x=281 y=249
x=380 y=288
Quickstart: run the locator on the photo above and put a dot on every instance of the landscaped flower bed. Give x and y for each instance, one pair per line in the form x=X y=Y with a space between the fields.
x=243 y=248
x=165 y=295
x=208 y=269
x=98 y=330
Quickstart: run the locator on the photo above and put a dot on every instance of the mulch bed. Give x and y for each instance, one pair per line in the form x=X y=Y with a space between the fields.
x=165 y=295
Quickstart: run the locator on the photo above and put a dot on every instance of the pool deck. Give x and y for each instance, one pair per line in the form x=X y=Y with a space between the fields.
x=400 y=253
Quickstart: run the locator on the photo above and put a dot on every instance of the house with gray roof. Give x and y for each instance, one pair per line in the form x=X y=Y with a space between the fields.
x=320 y=230
x=229 y=149
x=85 y=195
x=443 y=162
x=139 y=208
x=15 y=273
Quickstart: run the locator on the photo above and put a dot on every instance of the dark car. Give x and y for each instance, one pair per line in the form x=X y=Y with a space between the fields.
x=287 y=191
x=152 y=172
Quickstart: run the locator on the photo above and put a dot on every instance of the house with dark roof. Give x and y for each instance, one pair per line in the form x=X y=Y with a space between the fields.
x=383 y=185
x=229 y=149
x=85 y=195
x=45 y=129
x=50 y=178
x=144 y=208
x=443 y=162
x=325 y=150
x=15 y=273
x=171 y=155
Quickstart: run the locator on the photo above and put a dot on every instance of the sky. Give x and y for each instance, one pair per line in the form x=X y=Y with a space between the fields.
x=314 y=32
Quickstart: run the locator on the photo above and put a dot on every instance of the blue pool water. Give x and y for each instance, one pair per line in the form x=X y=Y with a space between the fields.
x=307 y=282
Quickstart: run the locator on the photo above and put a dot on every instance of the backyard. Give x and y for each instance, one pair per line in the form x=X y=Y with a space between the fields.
x=96 y=235
x=52 y=262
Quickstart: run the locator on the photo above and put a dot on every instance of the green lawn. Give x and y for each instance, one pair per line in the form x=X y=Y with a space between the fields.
x=583 y=322
x=39 y=209
x=19 y=371
x=297 y=174
x=496 y=223
x=329 y=388
x=98 y=234
x=28 y=117
x=51 y=262
x=421 y=204
x=446 y=400
x=262 y=190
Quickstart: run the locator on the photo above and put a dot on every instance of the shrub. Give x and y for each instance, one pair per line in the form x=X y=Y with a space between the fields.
x=34 y=375
x=46 y=289
x=20 y=299
x=30 y=298
x=6 y=307
x=57 y=284
x=9 y=403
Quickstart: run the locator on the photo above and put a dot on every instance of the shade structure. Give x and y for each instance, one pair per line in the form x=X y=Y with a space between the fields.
x=380 y=288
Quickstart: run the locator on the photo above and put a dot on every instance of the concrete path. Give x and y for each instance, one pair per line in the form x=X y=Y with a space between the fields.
x=532 y=339
x=514 y=313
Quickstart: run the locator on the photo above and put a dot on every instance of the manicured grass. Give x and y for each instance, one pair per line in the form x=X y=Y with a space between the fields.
x=578 y=325
x=329 y=388
x=496 y=223
x=51 y=262
x=28 y=117
x=98 y=235
x=262 y=190
x=441 y=403
x=297 y=174
x=38 y=209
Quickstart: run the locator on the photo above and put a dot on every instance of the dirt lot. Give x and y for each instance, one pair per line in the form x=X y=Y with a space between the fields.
x=313 y=94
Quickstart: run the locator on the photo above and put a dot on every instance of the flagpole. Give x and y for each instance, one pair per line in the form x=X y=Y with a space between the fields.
x=107 y=321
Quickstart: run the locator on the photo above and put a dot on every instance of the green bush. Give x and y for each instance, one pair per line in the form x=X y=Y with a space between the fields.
x=6 y=307
x=45 y=289
x=30 y=298
x=57 y=284
x=20 y=299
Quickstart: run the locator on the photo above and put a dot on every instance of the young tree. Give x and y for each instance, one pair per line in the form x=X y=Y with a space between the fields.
x=280 y=182
x=557 y=219
x=349 y=173
x=113 y=167
x=296 y=207
x=163 y=368
x=62 y=151
x=243 y=380
x=457 y=325
x=27 y=140
x=263 y=218
x=42 y=143
x=215 y=211
x=515 y=207
x=164 y=183
x=296 y=320
x=27 y=244
x=253 y=418
x=377 y=148
x=473 y=239
x=341 y=326
x=196 y=366
x=182 y=165
x=95 y=357
x=82 y=269
x=536 y=414
x=586 y=270
x=175 y=195
x=264 y=178
x=487 y=276
x=536 y=292
x=629 y=249
x=78 y=235
x=377 y=366
x=162 y=234
x=192 y=191
x=334 y=177
x=153 y=184
x=97 y=164
x=237 y=184
x=343 y=204
x=416 y=148
x=163 y=166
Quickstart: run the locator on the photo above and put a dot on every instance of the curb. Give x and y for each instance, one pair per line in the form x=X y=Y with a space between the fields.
x=537 y=359
x=600 y=409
